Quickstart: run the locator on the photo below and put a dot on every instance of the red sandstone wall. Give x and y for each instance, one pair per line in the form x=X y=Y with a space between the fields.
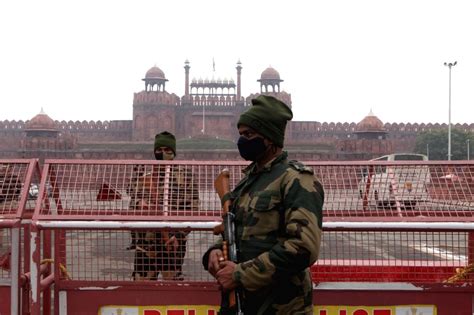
x=400 y=138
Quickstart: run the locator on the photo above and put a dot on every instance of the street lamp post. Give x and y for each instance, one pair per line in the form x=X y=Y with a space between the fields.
x=450 y=65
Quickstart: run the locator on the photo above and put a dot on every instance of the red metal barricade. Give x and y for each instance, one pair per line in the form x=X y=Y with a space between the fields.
x=19 y=181
x=397 y=234
x=397 y=237
x=108 y=218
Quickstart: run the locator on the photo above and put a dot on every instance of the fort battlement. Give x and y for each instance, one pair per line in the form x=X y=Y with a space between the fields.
x=209 y=109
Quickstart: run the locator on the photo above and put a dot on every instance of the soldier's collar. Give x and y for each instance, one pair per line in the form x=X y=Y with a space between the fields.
x=252 y=168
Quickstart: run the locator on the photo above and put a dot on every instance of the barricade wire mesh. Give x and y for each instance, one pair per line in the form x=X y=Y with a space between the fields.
x=387 y=190
x=178 y=189
x=400 y=256
x=5 y=250
x=121 y=255
x=132 y=190
x=13 y=185
x=183 y=191
x=19 y=180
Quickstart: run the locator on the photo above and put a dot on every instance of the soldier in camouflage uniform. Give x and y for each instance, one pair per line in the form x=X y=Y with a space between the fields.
x=278 y=220
x=162 y=251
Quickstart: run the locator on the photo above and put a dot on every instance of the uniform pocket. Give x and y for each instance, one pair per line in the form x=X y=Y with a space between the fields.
x=266 y=200
x=264 y=215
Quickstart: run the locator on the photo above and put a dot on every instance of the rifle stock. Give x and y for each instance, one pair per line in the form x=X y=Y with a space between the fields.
x=229 y=249
x=222 y=187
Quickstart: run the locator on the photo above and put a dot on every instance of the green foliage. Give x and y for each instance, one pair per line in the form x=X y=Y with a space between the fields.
x=437 y=143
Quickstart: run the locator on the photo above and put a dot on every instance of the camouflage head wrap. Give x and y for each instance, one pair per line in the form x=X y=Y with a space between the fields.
x=165 y=139
x=267 y=116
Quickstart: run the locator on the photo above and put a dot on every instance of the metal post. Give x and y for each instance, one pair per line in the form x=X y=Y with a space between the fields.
x=468 y=157
x=35 y=267
x=15 y=271
x=449 y=126
x=450 y=65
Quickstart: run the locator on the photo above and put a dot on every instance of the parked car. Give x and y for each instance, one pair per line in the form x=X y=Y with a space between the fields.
x=33 y=191
x=387 y=185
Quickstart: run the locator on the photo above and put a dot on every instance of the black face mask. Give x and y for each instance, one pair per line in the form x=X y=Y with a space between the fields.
x=251 y=149
x=164 y=156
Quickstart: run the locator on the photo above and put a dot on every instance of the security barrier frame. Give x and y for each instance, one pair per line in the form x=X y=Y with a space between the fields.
x=16 y=175
x=448 y=209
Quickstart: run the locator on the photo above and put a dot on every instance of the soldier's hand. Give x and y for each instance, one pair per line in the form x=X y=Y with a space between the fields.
x=215 y=257
x=172 y=244
x=224 y=275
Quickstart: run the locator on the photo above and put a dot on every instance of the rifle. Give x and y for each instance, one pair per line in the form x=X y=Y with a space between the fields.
x=227 y=229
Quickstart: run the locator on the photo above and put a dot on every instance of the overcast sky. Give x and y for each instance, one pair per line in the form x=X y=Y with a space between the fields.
x=83 y=60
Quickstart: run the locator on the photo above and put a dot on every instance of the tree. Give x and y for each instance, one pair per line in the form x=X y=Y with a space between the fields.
x=436 y=142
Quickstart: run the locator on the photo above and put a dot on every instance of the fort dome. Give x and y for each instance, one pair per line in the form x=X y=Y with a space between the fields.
x=270 y=74
x=155 y=73
x=41 y=122
x=370 y=123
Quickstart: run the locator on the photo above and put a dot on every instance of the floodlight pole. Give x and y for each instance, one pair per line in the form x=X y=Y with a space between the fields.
x=450 y=65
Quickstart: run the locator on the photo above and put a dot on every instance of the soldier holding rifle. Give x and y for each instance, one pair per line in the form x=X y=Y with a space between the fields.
x=277 y=210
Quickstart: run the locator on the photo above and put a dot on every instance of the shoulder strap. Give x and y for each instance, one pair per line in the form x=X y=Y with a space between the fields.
x=300 y=167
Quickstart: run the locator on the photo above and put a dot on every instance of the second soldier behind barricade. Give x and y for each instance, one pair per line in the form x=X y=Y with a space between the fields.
x=182 y=200
x=174 y=193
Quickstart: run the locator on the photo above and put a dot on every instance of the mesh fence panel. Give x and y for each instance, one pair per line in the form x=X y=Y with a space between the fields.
x=13 y=184
x=110 y=255
x=399 y=256
x=387 y=190
x=183 y=191
x=5 y=249
x=177 y=189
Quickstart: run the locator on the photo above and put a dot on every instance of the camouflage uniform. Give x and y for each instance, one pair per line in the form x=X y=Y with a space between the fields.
x=278 y=231
x=183 y=201
x=147 y=195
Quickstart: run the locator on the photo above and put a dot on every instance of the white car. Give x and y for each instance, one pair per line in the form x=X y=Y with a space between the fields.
x=33 y=192
x=387 y=185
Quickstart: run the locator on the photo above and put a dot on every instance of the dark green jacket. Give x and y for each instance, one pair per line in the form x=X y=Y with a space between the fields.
x=278 y=225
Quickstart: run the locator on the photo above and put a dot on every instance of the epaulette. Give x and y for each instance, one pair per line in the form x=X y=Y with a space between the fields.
x=300 y=167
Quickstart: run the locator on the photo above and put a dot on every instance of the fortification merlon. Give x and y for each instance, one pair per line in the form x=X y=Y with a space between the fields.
x=310 y=127
x=12 y=125
x=314 y=129
x=155 y=98
x=213 y=100
x=93 y=126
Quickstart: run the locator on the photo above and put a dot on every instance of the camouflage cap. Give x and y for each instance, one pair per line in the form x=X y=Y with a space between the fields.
x=268 y=116
x=165 y=139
